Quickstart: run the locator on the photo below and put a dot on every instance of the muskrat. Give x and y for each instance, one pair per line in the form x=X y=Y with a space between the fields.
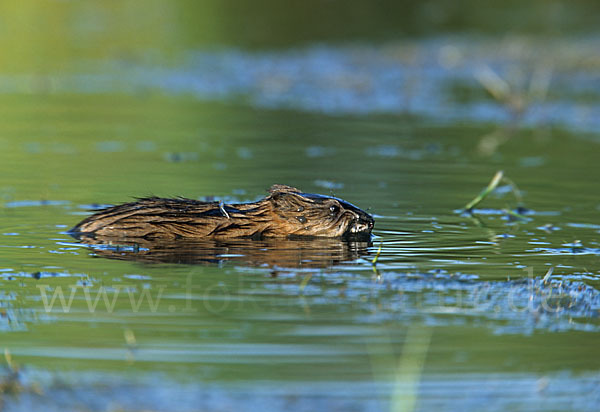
x=285 y=212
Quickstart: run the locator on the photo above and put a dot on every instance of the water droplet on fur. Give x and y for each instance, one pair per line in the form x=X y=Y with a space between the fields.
x=301 y=219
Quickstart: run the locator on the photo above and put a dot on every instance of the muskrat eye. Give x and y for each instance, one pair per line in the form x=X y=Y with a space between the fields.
x=334 y=209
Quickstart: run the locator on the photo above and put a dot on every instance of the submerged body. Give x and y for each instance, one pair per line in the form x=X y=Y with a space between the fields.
x=285 y=212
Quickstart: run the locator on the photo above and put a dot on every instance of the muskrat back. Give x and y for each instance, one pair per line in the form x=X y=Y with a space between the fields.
x=285 y=212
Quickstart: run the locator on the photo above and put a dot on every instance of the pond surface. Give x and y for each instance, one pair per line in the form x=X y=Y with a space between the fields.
x=481 y=312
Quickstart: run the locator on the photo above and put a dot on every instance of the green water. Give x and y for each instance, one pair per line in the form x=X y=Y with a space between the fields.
x=280 y=312
x=103 y=103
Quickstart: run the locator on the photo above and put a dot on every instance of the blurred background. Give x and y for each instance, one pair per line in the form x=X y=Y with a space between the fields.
x=117 y=77
x=46 y=34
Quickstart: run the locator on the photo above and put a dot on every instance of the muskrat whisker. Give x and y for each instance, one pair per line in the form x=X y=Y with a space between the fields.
x=222 y=208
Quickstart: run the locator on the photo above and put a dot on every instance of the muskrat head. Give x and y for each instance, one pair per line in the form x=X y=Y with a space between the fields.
x=308 y=214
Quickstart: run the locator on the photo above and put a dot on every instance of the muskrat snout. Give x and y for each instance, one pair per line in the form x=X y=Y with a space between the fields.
x=363 y=224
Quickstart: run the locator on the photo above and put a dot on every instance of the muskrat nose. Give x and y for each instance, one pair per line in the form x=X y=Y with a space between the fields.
x=366 y=219
x=363 y=223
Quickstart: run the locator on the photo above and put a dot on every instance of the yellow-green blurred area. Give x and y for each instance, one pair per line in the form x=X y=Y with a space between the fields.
x=40 y=35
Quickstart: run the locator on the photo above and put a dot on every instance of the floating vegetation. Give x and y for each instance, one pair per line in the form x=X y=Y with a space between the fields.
x=512 y=215
x=10 y=383
x=305 y=281
x=485 y=192
x=548 y=274
x=374 y=261
x=572 y=250
x=513 y=306
x=518 y=306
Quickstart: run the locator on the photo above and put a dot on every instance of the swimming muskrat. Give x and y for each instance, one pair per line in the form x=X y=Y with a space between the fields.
x=285 y=212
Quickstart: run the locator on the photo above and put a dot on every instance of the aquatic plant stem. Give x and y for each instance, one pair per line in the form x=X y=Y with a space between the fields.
x=374 y=261
x=483 y=194
x=514 y=215
x=515 y=190
x=305 y=281
x=9 y=361
x=548 y=274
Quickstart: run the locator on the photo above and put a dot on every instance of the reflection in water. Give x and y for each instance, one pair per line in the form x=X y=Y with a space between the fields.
x=294 y=253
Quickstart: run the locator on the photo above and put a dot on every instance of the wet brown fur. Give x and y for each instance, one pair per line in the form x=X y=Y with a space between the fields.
x=285 y=212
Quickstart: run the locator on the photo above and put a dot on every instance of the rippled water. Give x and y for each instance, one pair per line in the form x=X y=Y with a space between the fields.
x=459 y=312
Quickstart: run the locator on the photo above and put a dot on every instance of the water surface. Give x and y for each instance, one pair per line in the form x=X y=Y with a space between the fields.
x=455 y=305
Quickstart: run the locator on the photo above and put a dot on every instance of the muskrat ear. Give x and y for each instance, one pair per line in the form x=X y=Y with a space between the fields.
x=283 y=189
x=286 y=198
